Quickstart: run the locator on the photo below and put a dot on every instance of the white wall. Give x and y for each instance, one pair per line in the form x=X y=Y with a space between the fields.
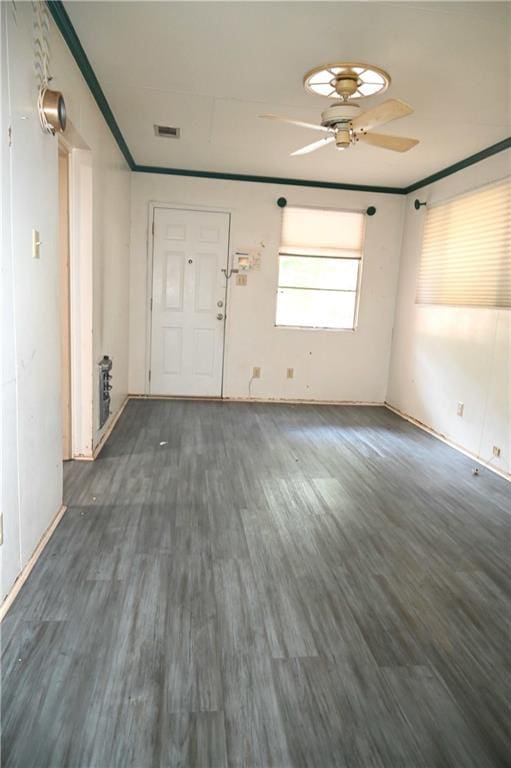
x=328 y=365
x=10 y=556
x=445 y=355
x=31 y=429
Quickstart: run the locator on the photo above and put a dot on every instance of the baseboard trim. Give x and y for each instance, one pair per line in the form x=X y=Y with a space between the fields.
x=106 y=434
x=299 y=401
x=450 y=443
x=198 y=398
x=23 y=576
x=268 y=400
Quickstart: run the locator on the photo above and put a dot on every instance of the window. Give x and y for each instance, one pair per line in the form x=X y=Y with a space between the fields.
x=466 y=250
x=319 y=266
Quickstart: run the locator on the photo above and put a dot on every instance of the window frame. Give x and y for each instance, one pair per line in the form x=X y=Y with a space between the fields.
x=357 y=291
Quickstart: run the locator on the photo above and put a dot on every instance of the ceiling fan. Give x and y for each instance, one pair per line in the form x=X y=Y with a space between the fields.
x=345 y=123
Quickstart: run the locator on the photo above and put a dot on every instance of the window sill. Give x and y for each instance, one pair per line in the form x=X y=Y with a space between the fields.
x=313 y=328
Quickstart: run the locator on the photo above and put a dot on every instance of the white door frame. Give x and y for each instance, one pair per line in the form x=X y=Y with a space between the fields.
x=153 y=205
x=80 y=294
x=65 y=315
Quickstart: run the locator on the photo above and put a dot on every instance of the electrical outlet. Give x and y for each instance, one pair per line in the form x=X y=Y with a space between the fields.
x=460 y=408
x=241 y=279
x=256 y=372
x=496 y=451
x=290 y=373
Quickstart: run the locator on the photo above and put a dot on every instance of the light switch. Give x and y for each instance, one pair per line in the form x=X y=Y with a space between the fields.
x=36 y=243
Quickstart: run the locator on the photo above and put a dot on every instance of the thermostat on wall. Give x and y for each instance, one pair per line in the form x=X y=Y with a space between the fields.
x=248 y=259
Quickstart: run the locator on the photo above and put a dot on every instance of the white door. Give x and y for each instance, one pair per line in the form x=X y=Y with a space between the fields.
x=188 y=302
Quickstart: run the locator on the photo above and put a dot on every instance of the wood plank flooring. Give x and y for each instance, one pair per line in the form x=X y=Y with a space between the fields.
x=266 y=585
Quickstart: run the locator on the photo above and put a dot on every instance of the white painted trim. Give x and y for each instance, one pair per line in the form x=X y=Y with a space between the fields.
x=71 y=139
x=81 y=301
x=149 y=295
x=450 y=443
x=23 y=576
x=185 y=207
x=106 y=434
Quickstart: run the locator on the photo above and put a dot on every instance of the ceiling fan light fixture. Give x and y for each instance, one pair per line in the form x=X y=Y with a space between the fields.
x=325 y=89
x=369 y=89
x=351 y=80
x=369 y=76
x=345 y=84
x=343 y=138
x=322 y=78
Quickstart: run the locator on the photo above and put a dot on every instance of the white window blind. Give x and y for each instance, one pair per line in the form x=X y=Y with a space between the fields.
x=466 y=250
x=319 y=263
x=320 y=232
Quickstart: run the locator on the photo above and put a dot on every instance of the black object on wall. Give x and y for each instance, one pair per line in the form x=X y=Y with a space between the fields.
x=105 y=366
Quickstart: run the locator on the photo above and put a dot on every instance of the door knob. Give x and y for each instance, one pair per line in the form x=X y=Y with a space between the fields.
x=220 y=303
x=219 y=316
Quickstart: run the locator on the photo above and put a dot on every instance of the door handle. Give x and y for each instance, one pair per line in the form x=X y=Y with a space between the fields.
x=219 y=316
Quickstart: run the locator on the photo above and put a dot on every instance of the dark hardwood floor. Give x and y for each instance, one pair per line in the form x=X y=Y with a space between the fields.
x=266 y=585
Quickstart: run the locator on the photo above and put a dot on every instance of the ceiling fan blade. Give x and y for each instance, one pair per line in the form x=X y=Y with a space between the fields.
x=313 y=147
x=396 y=143
x=299 y=123
x=383 y=113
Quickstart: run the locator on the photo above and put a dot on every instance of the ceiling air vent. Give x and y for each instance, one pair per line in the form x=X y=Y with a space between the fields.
x=167 y=131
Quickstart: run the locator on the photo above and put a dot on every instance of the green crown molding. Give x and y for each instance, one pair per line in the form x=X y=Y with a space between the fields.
x=68 y=32
x=459 y=166
x=268 y=179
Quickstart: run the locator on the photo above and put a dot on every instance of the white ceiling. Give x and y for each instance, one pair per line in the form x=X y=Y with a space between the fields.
x=212 y=67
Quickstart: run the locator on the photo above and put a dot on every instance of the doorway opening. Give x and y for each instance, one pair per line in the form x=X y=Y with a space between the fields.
x=76 y=295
